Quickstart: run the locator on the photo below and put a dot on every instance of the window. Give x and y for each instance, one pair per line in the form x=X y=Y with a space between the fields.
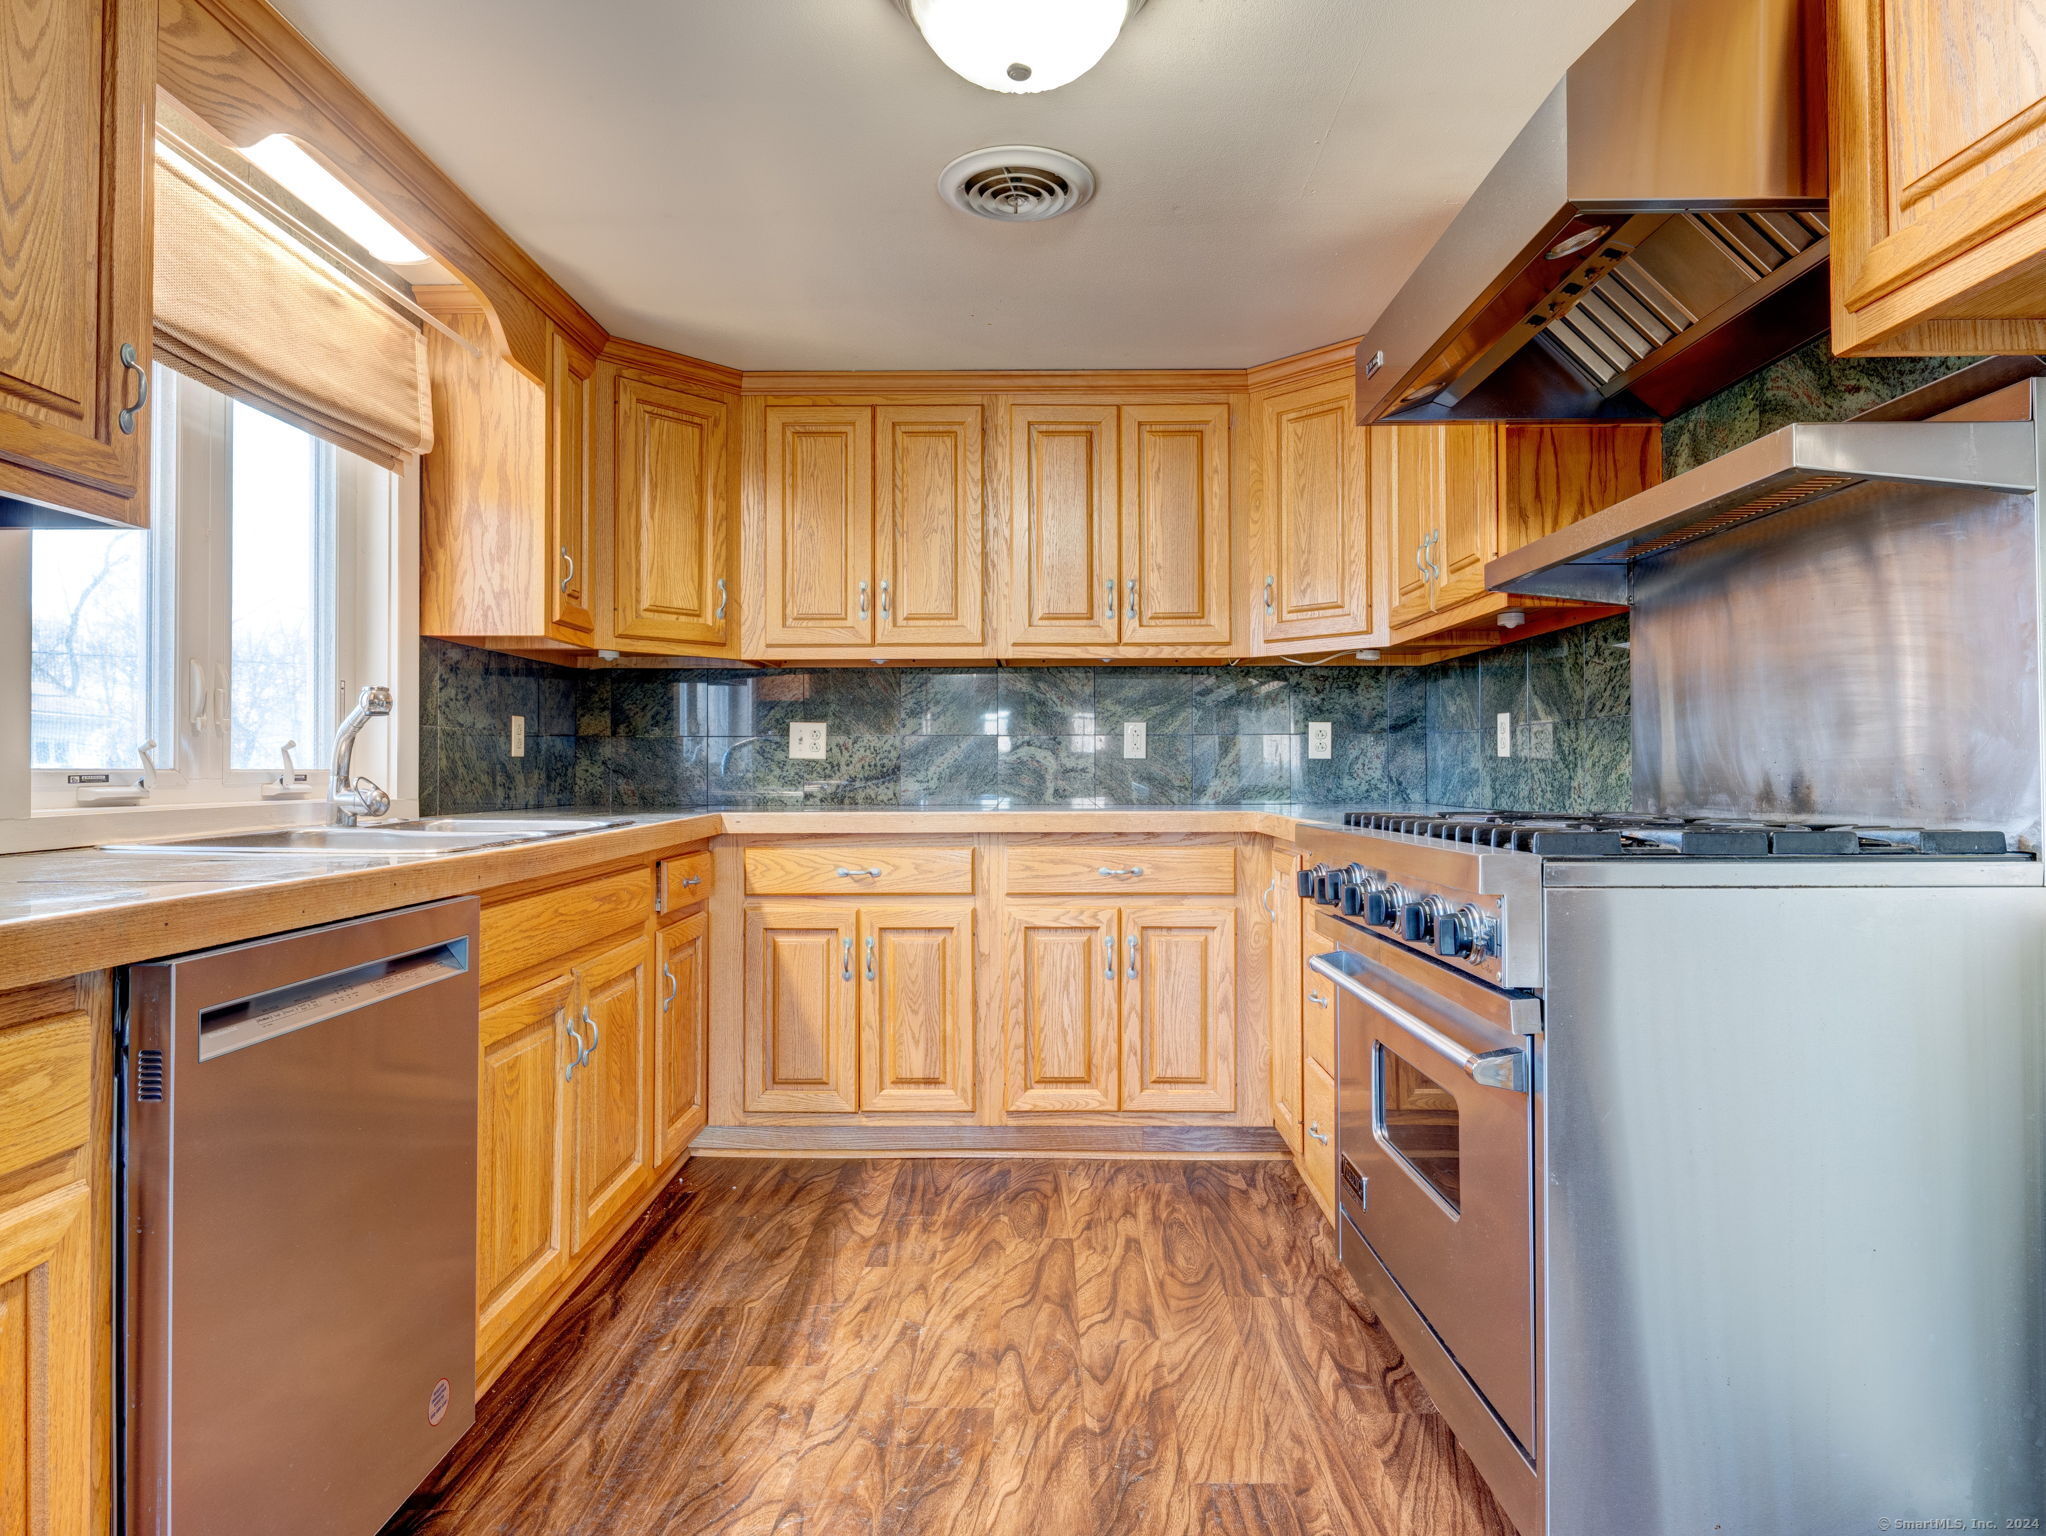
x=227 y=634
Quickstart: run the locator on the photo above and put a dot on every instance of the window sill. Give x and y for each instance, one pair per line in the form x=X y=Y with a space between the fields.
x=83 y=826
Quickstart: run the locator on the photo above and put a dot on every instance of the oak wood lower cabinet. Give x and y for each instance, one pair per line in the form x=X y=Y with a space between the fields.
x=1123 y=1007
x=682 y=971
x=613 y=1094
x=56 y=1280
x=859 y=1008
x=1318 y=1148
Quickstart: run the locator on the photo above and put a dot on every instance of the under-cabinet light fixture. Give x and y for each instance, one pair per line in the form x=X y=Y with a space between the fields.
x=1020 y=46
x=328 y=196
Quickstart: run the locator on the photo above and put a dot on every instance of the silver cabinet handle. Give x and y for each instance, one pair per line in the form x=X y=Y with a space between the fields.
x=856 y=874
x=1108 y=949
x=568 y=568
x=724 y=597
x=1134 y=869
x=689 y=880
x=1317 y=999
x=668 y=1002
x=845 y=964
x=1109 y=612
x=1270 y=606
x=870 y=957
x=596 y=1035
x=863 y=599
x=130 y=365
x=1130 y=971
x=568 y=1072
x=1314 y=1130
x=1490 y=1069
x=884 y=599
x=1133 y=599
x=1265 y=900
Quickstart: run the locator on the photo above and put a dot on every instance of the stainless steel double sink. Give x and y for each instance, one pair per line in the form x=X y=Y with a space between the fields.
x=391 y=839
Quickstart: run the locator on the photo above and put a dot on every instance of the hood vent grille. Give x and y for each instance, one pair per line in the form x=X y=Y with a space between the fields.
x=1016 y=183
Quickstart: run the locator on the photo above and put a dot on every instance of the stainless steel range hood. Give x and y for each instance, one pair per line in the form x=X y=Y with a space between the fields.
x=1657 y=231
x=1594 y=559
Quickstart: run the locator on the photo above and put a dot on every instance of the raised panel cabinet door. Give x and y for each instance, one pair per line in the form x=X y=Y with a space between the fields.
x=683 y=978
x=801 y=993
x=49 y=1319
x=79 y=78
x=1407 y=489
x=916 y=1008
x=522 y=1158
x=1318 y=1135
x=1060 y=967
x=1470 y=509
x=818 y=537
x=1175 y=524
x=613 y=1099
x=929 y=573
x=670 y=508
x=1317 y=577
x=570 y=504
x=1939 y=175
x=1179 y=1007
x=1065 y=585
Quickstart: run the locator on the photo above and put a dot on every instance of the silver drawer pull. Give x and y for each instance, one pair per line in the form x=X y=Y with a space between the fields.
x=845 y=966
x=1130 y=970
x=568 y=1072
x=1314 y=1130
x=1108 y=949
x=870 y=957
x=1134 y=869
x=1491 y=1069
x=1109 y=612
x=668 y=1002
x=855 y=874
x=596 y=1035
x=724 y=597
x=1317 y=999
x=689 y=880
x=568 y=568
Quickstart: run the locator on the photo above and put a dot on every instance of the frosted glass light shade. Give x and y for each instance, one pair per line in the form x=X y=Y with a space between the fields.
x=1021 y=46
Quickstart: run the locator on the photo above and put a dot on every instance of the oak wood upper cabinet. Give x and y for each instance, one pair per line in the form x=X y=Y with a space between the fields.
x=669 y=505
x=801 y=993
x=1119 y=528
x=916 y=1007
x=1448 y=498
x=872 y=527
x=614 y=1153
x=1128 y=1008
x=75 y=253
x=1939 y=176
x=522 y=1158
x=1314 y=517
x=571 y=508
x=683 y=973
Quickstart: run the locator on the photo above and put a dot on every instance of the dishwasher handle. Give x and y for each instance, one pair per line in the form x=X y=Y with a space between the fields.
x=270 y=1015
x=1489 y=1069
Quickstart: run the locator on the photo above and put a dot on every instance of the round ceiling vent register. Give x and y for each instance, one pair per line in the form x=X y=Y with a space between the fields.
x=1016 y=183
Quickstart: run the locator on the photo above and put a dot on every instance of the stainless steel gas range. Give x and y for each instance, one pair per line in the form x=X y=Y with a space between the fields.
x=1700 y=1167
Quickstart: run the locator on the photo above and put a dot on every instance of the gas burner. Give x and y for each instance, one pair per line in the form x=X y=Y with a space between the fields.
x=1604 y=836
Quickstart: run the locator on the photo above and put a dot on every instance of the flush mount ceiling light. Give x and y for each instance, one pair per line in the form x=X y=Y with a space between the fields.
x=328 y=196
x=1020 y=46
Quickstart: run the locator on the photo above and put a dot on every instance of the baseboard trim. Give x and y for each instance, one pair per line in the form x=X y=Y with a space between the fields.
x=1255 y=1142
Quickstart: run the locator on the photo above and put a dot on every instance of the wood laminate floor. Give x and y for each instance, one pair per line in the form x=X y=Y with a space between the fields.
x=990 y=1348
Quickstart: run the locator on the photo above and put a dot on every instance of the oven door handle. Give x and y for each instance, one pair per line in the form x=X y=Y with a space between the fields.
x=1490 y=1069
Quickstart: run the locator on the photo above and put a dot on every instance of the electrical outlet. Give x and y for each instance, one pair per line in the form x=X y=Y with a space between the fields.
x=1505 y=733
x=1321 y=738
x=1540 y=740
x=518 y=735
x=807 y=738
x=1133 y=738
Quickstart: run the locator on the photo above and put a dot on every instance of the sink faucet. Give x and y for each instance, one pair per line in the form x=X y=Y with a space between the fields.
x=352 y=797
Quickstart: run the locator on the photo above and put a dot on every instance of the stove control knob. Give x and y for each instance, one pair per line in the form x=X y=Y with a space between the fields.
x=1383 y=906
x=1418 y=919
x=1303 y=880
x=1465 y=934
x=1355 y=881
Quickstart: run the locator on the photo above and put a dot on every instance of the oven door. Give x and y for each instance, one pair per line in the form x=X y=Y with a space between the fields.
x=1435 y=1144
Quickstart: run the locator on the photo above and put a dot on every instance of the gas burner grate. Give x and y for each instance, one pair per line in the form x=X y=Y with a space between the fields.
x=1611 y=836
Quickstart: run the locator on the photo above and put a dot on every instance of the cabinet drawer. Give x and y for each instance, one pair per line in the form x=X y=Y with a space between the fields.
x=1318 y=1144
x=863 y=871
x=526 y=932
x=1318 y=1015
x=45 y=1089
x=682 y=882
x=1058 y=869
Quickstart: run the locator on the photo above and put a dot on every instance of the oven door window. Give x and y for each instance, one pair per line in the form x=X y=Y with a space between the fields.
x=1416 y=1117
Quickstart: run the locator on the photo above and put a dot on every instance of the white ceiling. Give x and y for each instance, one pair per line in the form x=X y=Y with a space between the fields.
x=753 y=181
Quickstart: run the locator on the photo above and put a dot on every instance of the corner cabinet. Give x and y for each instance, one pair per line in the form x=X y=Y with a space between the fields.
x=669 y=498
x=871 y=527
x=1120 y=529
x=75 y=254
x=1939 y=177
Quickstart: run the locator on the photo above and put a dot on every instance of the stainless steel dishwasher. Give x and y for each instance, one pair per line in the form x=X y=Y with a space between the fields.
x=299 y=1281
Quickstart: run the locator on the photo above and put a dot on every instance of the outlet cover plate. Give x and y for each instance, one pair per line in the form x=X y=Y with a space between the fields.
x=808 y=738
x=1505 y=733
x=1321 y=738
x=1133 y=738
x=518 y=735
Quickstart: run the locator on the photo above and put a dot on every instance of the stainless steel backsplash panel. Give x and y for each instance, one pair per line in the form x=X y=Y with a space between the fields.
x=1873 y=656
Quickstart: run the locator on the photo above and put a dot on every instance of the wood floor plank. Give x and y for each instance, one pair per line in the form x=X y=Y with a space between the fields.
x=974 y=1348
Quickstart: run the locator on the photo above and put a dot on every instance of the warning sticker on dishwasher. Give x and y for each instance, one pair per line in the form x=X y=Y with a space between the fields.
x=437 y=1401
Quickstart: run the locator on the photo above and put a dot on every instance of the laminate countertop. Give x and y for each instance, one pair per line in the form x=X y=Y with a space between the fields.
x=88 y=909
